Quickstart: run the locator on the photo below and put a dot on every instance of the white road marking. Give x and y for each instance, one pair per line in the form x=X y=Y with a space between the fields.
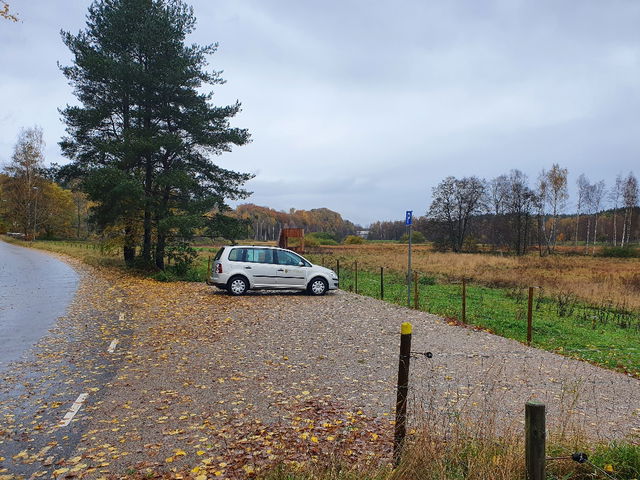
x=112 y=346
x=73 y=410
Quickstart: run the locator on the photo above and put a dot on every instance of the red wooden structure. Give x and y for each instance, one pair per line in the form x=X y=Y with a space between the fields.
x=286 y=234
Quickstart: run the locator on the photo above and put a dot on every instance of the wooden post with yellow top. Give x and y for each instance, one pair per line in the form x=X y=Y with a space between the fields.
x=403 y=389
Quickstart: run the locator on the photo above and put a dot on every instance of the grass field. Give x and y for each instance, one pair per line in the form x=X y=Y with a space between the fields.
x=597 y=280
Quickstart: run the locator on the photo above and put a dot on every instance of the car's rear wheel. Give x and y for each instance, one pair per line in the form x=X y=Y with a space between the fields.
x=318 y=286
x=237 y=285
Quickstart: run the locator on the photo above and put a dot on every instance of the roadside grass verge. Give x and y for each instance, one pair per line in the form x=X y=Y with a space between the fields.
x=91 y=253
x=468 y=453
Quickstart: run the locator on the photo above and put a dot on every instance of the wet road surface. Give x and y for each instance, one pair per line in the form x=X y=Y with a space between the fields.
x=58 y=325
x=35 y=289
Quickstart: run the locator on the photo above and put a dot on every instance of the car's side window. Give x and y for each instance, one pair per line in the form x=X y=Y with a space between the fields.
x=238 y=255
x=287 y=258
x=264 y=255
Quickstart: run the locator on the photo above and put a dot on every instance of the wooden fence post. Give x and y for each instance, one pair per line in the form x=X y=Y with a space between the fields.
x=403 y=389
x=208 y=268
x=535 y=439
x=338 y=268
x=530 y=317
x=356 y=269
x=381 y=283
x=416 y=302
x=464 y=300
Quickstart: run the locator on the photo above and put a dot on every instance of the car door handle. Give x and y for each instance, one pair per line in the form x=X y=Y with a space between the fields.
x=248 y=268
x=281 y=270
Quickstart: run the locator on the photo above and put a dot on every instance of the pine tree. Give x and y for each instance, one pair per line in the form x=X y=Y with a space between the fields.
x=143 y=127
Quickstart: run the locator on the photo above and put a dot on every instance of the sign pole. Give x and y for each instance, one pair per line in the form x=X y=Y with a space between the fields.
x=409 y=223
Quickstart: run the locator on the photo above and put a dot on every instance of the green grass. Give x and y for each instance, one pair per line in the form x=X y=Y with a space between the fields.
x=599 y=334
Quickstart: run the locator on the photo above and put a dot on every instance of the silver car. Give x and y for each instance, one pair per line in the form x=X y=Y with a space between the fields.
x=238 y=269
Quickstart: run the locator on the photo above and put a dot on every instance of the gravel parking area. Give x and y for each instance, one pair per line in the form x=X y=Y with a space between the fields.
x=226 y=386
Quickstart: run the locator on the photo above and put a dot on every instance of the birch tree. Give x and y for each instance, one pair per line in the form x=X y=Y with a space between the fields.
x=615 y=194
x=630 y=201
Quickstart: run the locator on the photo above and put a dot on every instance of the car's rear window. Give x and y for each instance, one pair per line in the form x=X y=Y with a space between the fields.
x=219 y=254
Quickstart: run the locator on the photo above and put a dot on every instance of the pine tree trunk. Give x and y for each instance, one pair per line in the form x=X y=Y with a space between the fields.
x=160 y=249
x=129 y=248
x=162 y=234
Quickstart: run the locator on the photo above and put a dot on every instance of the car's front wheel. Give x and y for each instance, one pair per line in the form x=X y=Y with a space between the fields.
x=238 y=285
x=318 y=286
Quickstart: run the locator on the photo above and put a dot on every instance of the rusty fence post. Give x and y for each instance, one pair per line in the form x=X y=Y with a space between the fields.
x=530 y=317
x=535 y=440
x=381 y=283
x=208 y=268
x=464 y=300
x=416 y=301
x=338 y=268
x=403 y=389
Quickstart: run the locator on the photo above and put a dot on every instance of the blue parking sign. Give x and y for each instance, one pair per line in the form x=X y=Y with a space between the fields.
x=409 y=218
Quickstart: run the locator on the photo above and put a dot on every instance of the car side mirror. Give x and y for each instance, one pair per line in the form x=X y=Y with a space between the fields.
x=301 y=264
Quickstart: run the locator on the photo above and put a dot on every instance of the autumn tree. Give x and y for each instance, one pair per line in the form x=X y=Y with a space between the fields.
x=455 y=203
x=30 y=201
x=615 y=195
x=519 y=204
x=144 y=134
x=583 y=191
x=552 y=194
x=5 y=12
x=596 y=197
x=23 y=186
x=630 y=193
x=497 y=193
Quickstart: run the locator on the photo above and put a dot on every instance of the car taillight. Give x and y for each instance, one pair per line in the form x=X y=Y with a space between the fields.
x=219 y=268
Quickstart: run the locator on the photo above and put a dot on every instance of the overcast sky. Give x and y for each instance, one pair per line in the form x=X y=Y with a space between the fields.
x=364 y=106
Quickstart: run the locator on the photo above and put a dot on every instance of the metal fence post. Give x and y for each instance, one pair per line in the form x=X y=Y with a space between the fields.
x=381 y=283
x=416 y=301
x=403 y=389
x=535 y=439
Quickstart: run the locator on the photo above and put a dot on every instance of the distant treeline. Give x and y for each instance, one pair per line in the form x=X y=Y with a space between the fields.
x=264 y=223
x=510 y=214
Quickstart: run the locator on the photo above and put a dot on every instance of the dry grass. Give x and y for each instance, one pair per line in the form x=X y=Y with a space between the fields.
x=597 y=280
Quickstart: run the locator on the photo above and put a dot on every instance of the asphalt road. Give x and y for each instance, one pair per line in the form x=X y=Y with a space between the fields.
x=35 y=289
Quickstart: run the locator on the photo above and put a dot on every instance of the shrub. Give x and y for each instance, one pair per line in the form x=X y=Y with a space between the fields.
x=310 y=241
x=320 y=238
x=427 y=280
x=416 y=237
x=353 y=240
x=620 y=252
x=182 y=255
